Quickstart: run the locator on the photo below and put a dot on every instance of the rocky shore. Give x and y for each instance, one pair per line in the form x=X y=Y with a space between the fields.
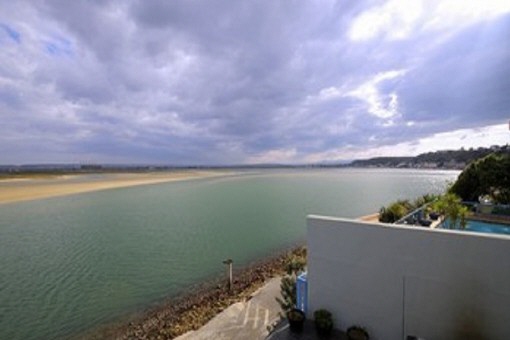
x=194 y=309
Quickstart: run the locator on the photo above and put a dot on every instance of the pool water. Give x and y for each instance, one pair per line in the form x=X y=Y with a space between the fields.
x=484 y=227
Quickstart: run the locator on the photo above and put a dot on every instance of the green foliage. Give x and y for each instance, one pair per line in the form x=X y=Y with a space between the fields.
x=441 y=159
x=288 y=293
x=487 y=176
x=323 y=320
x=393 y=212
x=450 y=206
x=425 y=199
x=293 y=266
x=400 y=208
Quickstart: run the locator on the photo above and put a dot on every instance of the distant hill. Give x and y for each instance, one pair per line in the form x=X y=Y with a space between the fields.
x=446 y=159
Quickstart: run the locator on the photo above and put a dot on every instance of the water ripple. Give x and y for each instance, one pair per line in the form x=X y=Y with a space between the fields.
x=68 y=264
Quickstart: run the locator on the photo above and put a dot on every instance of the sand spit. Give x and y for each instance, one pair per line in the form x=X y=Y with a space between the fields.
x=25 y=189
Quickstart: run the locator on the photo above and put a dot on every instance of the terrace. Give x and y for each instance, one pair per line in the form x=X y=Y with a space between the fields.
x=402 y=282
x=482 y=217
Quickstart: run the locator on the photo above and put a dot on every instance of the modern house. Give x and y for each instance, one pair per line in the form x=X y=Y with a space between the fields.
x=403 y=282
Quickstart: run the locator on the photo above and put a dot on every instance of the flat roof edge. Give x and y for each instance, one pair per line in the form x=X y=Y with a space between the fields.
x=404 y=227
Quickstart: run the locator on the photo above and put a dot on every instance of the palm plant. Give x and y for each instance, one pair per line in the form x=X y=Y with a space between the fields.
x=450 y=206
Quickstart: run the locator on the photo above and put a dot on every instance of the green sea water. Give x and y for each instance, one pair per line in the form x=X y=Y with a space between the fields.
x=71 y=264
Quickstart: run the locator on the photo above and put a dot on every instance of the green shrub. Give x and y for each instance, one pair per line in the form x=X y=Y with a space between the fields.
x=450 y=206
x=288 y=293
x=394 y=211
x=323 y=321
x=293 y=266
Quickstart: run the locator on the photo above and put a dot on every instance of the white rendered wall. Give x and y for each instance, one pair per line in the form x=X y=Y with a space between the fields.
x=398 y=281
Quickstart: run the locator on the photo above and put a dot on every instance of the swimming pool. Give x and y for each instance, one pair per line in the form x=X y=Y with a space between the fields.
x=485 y=227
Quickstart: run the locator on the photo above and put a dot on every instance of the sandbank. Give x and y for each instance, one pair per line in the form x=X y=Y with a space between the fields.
x=26 y=189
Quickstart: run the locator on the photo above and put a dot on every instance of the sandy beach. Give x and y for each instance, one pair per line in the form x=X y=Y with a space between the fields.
x=32 y=188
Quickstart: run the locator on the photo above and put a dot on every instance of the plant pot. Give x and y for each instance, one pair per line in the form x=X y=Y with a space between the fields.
x=323 y=322
x=296 y=319
x=323 y=331
x=357 y=333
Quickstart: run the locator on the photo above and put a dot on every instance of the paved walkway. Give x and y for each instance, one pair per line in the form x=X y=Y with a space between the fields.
x=243 y=320
x=282 y=332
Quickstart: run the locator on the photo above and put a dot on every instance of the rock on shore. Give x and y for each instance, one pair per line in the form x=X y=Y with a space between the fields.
x=195 y=309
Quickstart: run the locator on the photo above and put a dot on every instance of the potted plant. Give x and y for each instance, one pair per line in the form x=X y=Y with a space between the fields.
x=323 y=321
x=357 y=333
x=288 y=294
x=296 y=319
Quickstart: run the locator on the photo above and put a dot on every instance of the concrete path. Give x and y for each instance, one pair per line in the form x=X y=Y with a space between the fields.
x=243 y=320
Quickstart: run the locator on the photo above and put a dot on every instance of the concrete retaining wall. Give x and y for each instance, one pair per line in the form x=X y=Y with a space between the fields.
x=399 y=281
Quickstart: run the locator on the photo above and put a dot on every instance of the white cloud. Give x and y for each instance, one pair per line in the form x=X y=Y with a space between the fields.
x=399 y=19
x=395 y=20
x=324 y=95
x=379 y=105
x=463 y=138
x=329 y=93
x=455 y=14
x=467 y=138
x=202 y=83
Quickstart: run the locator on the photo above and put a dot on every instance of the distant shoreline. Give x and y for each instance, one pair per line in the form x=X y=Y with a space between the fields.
x=435 y=160
x=19 y=189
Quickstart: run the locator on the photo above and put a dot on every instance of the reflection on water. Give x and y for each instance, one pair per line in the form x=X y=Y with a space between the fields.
x=71 y=263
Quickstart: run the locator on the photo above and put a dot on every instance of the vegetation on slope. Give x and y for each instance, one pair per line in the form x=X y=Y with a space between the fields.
x=489 y=175
x=445 y=159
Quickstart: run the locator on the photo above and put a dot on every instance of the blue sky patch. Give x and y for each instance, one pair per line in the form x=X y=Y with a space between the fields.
x=11 y=33
x=58 y=47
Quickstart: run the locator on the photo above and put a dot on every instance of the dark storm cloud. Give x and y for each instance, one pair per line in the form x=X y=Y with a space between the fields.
x=209 y=82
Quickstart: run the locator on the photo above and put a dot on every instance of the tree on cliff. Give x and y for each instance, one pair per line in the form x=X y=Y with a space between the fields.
x=487 y=176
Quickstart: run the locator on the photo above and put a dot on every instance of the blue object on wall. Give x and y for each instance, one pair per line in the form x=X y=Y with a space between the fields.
x=301 y=292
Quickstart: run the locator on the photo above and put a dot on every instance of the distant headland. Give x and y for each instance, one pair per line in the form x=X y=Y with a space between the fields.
x=443 y=159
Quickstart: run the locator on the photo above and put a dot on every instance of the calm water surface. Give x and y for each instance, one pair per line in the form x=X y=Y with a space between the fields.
x=72 y=263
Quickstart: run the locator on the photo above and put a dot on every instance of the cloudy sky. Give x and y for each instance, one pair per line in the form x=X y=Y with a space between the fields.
x=212 y=82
